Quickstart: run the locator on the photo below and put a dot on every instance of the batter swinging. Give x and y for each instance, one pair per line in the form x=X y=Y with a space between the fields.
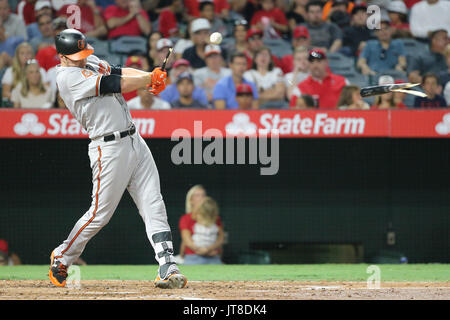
x=119 y=157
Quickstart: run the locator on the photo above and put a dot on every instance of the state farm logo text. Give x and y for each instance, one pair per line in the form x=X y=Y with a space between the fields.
x=321 y=124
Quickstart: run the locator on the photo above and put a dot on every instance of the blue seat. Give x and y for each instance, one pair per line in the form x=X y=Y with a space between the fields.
x=340 y=63
x=129 y=45
x=101 y=47
x=356 y=78
x=279 y=47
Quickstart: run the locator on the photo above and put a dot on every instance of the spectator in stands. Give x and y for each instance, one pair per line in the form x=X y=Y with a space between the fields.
x=25 y=11
x=47 y=56
x=398 y=14
x=429 y=15
x=300 y=39
x=8 y=258
x=171 y=92
x=324 y=35
x=147 y=101
x=444 y=75
x=270 y=19
x=297 y=14
x=168 y=19
x=324 y=86
x=31 y=92
x=58 y=4
x=47 y=35
x=208 y=76
x=162 y=49
x=127 y=18
x=300 y=72
x=185 y=87
x=202 y=234
x=433 y=61
x=305 y=102
x=221 y=8
x=13 y=75
x=254 y=43
x=206 y=9
x=350 y=99
x=12 y=29
x=430 y=84
x=200 y=30
x=389 y=100
x=224 y=94
x=91 y=20
x=40 y=8
x=244 y=96
x=382 y=54
x=152 y=54
x=244 y=8
x=340 y=13
x=336 y=5
x=357 y=34
x=238 y=42
x=268 y=80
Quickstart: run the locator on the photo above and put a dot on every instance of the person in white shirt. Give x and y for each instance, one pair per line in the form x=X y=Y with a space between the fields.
x=13 y=75
x=268 y=79
x=429 y=15
x=31 y=92
x=208 y=76
x=147 y=101
x=300 y=72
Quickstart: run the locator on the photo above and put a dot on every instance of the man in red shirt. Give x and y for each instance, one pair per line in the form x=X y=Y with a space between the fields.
x=167 y=23
x=324 y=86
x=270 y=17
x=91 y=24
x=221 y=7
x=127 y=18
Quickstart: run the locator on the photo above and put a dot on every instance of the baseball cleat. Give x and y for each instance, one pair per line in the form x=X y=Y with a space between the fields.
x=173 y=280
x=57 y=272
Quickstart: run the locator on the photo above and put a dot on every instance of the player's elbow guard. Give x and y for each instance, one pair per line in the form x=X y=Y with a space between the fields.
x=110 y=84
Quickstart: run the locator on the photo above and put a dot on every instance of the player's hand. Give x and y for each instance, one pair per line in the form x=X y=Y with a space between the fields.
x=159 y=78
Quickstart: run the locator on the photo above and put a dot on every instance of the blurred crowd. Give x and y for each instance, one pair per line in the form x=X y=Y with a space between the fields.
x=275 y=54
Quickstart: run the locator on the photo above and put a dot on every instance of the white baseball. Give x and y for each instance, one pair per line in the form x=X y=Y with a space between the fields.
x=215 y=38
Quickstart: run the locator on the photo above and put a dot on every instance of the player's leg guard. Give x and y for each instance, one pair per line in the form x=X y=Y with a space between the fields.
x=169 y=275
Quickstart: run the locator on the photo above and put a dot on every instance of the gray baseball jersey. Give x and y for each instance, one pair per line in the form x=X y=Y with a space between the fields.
x=79 y=88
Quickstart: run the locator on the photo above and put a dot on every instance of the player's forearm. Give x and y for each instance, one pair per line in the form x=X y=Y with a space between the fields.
x=131 y=83
x=134 y=72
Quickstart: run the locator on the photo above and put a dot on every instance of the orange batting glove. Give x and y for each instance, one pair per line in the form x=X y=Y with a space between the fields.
x=158 y=77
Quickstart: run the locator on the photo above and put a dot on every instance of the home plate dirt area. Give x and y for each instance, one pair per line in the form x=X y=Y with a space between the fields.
x=224 y=290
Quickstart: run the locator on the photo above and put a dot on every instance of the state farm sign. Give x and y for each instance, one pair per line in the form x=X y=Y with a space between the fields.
x=16 y=123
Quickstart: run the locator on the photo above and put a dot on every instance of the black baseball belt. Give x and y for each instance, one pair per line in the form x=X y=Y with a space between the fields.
x=123 y=134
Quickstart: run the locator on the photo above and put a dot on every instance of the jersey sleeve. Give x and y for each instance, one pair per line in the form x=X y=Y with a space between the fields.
x=84 y=83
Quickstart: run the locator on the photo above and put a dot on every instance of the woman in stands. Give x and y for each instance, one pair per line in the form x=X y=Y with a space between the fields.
x=351 y=99
x=268 y=79
x=31 y=92
x=14 y=74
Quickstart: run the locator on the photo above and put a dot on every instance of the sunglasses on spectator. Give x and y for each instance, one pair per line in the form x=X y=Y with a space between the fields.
x=32 y=61
x=241 y=22
x=383 y=54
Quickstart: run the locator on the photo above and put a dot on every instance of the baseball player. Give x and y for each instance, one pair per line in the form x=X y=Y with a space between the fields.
x=119 y=157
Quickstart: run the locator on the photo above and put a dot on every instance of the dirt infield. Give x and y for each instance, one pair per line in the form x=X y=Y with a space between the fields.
x=227 y=290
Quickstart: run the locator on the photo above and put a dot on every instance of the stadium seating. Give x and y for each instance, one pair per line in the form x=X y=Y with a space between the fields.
x=340 y=63
x=279 y=47
x=101 y=47
x=129 y=45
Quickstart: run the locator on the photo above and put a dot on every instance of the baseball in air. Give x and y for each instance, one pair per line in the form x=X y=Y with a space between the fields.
x=215 y=38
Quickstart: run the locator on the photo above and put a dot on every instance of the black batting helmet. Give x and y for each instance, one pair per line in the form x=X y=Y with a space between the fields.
x=72 y=44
